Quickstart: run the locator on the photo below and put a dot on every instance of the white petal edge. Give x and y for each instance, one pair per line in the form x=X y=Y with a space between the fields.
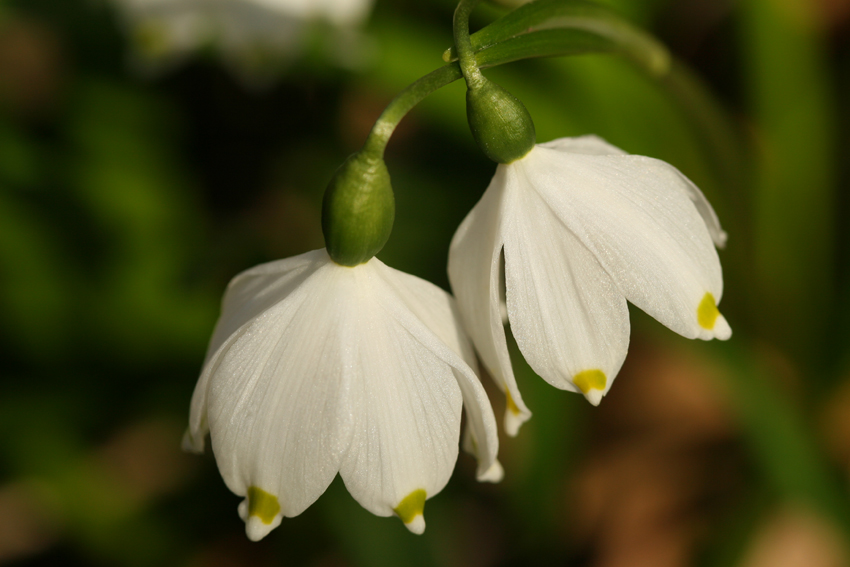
x=495 y=473
x=438 y=311
x=587 y=145
x=594 y=145
x=706 y=211
x=474 y=273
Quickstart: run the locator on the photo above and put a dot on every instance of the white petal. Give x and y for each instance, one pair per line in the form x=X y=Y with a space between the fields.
x=636 y=218
x=405 y=403
x=474 y=268
x=431 y=305
x=481 y=423
x=594 y=145
x=276 y=408
x=704 y=208
x=248 y=294
x=253 y=291
x=438 y=311
x=258 y=524
x=569 y=319
x=495 y=472
x=588 y=145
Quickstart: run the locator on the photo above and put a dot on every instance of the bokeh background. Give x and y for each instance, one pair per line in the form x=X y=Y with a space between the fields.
x=133 y=187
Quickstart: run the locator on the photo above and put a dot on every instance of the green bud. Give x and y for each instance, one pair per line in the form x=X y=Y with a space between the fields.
x=500 y=123
x=358 y=210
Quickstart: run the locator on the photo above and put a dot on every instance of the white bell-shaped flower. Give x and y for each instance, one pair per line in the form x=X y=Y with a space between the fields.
x=316 y=369
x=582 y=227
x=248 y=33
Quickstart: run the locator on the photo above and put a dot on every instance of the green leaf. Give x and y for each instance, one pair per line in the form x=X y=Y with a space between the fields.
x=547 y=28
x=545 y=43
x=794 y=110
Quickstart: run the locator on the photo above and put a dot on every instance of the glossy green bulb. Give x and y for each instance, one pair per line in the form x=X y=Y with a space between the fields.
x=358 y=210
x=500 y=123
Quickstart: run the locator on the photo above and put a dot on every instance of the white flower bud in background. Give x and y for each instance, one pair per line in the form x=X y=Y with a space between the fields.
x=256 y=38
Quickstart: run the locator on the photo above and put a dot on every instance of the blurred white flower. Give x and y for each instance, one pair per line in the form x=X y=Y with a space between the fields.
x=316 y=369
x=583 y=227
x=250 y=35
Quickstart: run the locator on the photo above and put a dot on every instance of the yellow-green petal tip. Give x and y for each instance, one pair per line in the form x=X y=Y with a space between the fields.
x=410 y=510
x=511 y=404
x=588 y=380
x=262 y=505
x=707 y=312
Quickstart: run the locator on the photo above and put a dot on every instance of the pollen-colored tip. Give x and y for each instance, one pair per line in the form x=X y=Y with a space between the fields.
x=710 y=319
x=410 y=511
x=707 y=312
x=511 y=404
x=514 y=417
x=262 y=505
x=494 y=474
x=592 y=384
x=261 y=513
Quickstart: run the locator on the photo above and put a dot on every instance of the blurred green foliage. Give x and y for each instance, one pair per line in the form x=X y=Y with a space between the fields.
x=127 y=202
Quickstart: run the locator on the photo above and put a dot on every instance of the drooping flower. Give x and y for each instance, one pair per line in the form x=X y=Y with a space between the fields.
x=581 y=227
x=316 y=369
x=249 y=34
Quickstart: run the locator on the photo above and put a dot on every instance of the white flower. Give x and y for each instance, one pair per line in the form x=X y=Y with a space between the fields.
x=584 y=227
x=316 y=368
x=248 y=33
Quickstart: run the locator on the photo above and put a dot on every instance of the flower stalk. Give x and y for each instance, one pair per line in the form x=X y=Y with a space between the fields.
x=404 y=102
x=358 y=209
x=463 y=45
x=500 y=123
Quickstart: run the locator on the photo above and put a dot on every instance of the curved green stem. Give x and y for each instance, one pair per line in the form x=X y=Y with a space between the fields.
x=386 y=124
x=527 y=32
x=465 y=52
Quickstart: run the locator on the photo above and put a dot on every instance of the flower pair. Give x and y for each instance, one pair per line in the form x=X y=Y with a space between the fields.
x=316 y=369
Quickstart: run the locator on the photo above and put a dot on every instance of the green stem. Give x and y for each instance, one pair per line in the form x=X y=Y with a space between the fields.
x=386 y=124
x=465 y=52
